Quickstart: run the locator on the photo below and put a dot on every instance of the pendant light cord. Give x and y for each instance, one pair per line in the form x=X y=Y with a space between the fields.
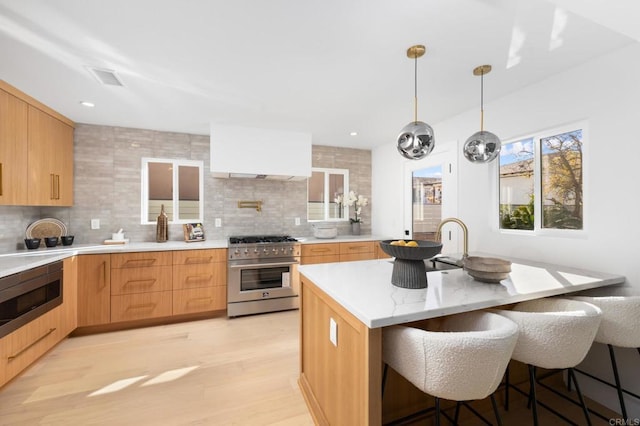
x=415 y=90
x=482 y=102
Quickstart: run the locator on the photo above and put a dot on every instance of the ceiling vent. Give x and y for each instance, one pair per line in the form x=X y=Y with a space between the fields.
x=105 y=76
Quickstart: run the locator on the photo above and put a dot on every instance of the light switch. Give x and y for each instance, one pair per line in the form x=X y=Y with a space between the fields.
x=297 y=221
x=218 y=222
x=333 y=332
x=95 y=223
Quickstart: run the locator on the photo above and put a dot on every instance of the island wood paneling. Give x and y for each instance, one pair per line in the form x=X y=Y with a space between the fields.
x=341 y=384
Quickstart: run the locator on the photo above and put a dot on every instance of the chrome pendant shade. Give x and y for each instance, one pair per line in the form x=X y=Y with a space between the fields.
x=415 y=140
x=482 y=146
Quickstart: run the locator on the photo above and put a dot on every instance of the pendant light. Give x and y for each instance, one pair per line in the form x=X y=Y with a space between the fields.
x=416 y=138
x=482 y=146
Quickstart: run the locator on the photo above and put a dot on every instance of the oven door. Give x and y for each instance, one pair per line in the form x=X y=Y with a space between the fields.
x=257 y=280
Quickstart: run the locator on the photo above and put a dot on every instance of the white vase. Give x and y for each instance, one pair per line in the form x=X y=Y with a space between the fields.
x=355 y=228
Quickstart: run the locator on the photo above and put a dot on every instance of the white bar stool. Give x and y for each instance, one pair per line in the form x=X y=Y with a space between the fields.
x=555 y=333
x=463 y=360
x=620 y=327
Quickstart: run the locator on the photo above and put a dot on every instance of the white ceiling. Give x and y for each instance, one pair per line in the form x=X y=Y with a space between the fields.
x=328 y=67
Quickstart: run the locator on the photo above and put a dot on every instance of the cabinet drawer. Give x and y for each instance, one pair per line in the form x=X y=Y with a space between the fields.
x=197 y=276
x=139 y=260
x=357 y=247
x=20 y=349
x=128 y=307
x=196 y=257
x=356 y=256
x=141 y=280
x=199 y=300
x=320 y=249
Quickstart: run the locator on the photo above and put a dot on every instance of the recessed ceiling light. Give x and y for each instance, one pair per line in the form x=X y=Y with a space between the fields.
x=87 y=104
x=354 y=133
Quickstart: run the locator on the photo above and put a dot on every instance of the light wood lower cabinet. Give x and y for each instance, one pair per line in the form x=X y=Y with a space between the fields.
x=320 y=253
x=129 y=307
x=338 y=252
x=19 y=349
x=142 y=285
x=199 y=281
x=358 y=250
x=94 y=289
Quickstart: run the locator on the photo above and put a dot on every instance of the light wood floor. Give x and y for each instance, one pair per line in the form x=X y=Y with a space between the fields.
x=213 y=372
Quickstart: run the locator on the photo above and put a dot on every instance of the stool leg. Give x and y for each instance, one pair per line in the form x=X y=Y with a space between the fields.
x=437 y=411
x=384 y=378
x=495 y=410
x=457 y=413
x=532 y=393
x=585 y=410
x=506 y=389
x=616 y=376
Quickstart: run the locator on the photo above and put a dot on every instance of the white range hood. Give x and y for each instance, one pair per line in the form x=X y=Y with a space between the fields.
x=249 y=152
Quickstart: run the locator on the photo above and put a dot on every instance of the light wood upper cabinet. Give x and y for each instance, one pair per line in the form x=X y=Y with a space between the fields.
x=36 y=152
x=50 y=160
x=13 y=150
x=94 y=289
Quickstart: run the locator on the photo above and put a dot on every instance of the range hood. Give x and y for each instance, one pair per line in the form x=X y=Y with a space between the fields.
x=253 y=153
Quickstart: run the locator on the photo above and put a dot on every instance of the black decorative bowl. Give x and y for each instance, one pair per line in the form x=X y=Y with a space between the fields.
x=32 y=243
x=51 y=241
x=67 y=240
x=409 y=270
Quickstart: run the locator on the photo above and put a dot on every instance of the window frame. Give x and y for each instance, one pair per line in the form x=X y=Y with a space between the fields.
x=538 y=230
x=175 y=163
x=329 y=171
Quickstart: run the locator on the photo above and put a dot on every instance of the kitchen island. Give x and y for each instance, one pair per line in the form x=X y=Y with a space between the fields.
x=345 y=307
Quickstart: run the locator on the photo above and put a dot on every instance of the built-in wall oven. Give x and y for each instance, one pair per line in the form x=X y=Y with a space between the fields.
x=27 y=295
x=262 y=274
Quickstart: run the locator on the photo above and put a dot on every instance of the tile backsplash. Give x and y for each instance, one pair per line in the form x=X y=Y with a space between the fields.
x=107 y=185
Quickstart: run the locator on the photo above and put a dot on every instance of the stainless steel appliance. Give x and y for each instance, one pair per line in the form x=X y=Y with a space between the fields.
x=262 y=274
x=27 y=295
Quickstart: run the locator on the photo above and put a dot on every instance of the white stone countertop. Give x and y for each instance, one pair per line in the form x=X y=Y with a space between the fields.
x=21 y=260
x=364 y=288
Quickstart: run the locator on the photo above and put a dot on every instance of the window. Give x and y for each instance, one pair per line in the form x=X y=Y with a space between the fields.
x=542 y=181
x=176 y=184
x=324 y=188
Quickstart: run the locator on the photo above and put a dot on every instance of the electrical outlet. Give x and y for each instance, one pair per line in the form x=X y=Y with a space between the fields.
x=95 y=223
x=297 y=220
x=333 y=332
x=218 y=222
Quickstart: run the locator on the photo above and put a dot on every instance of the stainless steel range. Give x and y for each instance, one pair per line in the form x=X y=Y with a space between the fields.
x=262 y=274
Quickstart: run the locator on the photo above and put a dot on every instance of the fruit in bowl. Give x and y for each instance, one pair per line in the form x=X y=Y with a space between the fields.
x=411 y=250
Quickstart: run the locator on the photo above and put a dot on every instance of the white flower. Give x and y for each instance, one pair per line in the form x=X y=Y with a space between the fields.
x=355 y=200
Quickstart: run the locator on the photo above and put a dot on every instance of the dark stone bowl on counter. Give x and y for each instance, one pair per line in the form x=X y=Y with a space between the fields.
x=67 y=240
x=409 y=269
x=32 y=243
x=51 y=241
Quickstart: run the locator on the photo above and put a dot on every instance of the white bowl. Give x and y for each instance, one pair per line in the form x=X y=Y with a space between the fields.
x=325 y=231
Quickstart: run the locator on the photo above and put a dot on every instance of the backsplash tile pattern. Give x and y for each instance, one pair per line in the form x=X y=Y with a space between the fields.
x=107 y=187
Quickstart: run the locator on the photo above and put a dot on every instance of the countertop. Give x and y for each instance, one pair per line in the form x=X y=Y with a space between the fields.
x=364 y=288
x=21 y=260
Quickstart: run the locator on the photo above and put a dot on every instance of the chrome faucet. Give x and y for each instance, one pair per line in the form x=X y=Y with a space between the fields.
x=465 y=233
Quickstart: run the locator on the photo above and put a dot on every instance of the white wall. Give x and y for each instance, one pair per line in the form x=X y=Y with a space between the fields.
x=606 y=93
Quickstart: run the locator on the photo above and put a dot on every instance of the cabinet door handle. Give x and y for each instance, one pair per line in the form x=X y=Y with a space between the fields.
x=358 y=247
x=26 y=348
x=1 y=179
x=320 y=250
x=195 y=260
x=52 y=181
x=198 y=278
x=57 y=187
x=145 y=283
x=137 y=262
x=104 y=274
x=142 y=306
